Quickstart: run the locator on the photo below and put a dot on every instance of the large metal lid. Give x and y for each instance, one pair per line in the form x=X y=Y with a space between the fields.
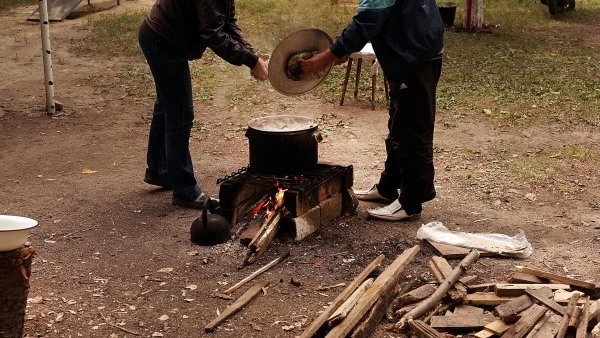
x=302 y=41
x=282 y=123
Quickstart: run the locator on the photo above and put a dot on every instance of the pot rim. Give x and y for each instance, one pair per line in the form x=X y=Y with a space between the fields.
x=311 y=124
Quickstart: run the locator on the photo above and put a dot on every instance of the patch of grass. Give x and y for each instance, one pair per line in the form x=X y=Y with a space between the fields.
x=112 y=35
x=6 y=4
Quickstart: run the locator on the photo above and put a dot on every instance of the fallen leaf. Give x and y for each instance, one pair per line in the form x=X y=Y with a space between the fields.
x=264 y=291
x=348 y=260
x=255 y=326
x=72 y=312
x=88 y=171
x=59 y=317
x=163 y=317
x=218 y=312
x=192 y=287
x=189 y=300
x=531 y=197
x=193 y=253
x=223 y=295
x=49 y=241
x=35 y=300
x=288 y=327
x=166 y=270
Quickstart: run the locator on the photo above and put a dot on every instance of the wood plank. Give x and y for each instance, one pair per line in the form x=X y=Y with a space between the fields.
x=341 y=312
x=467 y=310
x=415 y=295
x=523 y=278
x=341 y=298
x=441 y=270
x=485 y=287
x=515 y=290
x=550 y=327
x=424 y=330
x=384 y=282
x=469 y=280
x=539 y=325
x=564 y=324
x=485 y=299
x=244 y=299
x=583 y=322
x=549 y=303
x=594 y=314
x=562 y=297
x=455 y=252
x=369 y=322
x=484 y=334
x=526 y=323
x=497 y=327
x=574 y=320
x=461 y=322
x=509 y=310
x=558 y=278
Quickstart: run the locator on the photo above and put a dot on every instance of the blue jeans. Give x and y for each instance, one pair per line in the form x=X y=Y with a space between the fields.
x=168 y=155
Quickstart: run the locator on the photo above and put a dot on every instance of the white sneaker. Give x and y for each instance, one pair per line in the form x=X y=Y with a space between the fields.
x=392 y=212
x=370 y=194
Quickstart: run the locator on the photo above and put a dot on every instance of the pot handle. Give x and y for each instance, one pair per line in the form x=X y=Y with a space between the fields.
x=317 y=136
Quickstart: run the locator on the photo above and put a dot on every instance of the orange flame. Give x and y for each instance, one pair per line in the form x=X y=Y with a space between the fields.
x=277 y=202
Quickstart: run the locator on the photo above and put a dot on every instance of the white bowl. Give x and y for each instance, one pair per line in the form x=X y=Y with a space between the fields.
x=14 y=231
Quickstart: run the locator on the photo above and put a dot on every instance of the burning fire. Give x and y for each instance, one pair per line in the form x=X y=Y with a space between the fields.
x=275 y=202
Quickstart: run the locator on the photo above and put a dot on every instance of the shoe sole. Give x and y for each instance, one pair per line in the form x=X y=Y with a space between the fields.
x=394 y=219
x=167 y=187
x=376 y=200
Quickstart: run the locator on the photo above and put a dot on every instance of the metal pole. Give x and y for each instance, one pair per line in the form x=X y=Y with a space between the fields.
x=47 y=56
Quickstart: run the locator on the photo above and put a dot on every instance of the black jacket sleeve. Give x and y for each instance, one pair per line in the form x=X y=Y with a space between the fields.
x=215 y=18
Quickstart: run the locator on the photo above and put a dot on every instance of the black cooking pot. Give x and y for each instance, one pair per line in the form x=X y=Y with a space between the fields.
x=283 y=144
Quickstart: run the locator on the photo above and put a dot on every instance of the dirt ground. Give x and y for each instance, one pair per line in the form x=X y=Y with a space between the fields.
x=112 y=251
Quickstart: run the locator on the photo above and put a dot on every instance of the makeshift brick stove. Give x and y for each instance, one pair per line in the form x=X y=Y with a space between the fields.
x=311 y=198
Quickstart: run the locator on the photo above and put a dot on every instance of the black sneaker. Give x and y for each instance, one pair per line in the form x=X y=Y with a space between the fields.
x=198 y=203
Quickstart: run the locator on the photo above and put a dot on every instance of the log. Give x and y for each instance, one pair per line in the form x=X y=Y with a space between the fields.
x=485 y=299
x=509 y=310
x=264 y=236
x=341 y=298
x=583 y=322
x=369 y=322
x=445 y=269
x=526 y=323
x=385 y=282
x=389 y=312
x=423 y=330
x=558 y=278
x=343 y=310
x=441 y=291
x=473 y=322
x=564 y=324
x=246 y=298
x=415 y=295
x=523 y=278
x=549 y=303
x=257 y=273
x=573 y=321
x=515 y=290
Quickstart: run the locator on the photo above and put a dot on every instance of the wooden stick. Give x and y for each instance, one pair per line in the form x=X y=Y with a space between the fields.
x=341 y=298
x=237 y=305
x=118 y=327
x=343 y=310
x=257 y=272
x=564 y=324
x=526 y=323
x=382 y=285
x=441 y=291
x=324 y=288
x=549 y=303
x=558 y=278
x=583 y=323
x=365 y=327
x=445 y=269
x=509 y=310
x=267 y=223
x=424 y=330
x=264 y=241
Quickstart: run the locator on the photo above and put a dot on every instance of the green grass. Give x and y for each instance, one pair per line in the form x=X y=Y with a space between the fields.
x=6 y=4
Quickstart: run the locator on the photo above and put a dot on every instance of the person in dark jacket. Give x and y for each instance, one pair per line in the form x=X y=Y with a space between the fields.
x=174 y=32
x=408 y=40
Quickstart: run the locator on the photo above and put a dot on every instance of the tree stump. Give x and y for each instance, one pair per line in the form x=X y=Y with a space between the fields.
x=15 y=270
x=472 y=19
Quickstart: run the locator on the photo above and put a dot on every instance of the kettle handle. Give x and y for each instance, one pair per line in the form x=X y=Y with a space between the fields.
x=205 y=212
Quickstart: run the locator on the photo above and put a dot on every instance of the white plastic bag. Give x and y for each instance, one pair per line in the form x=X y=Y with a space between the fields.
x=504 y=245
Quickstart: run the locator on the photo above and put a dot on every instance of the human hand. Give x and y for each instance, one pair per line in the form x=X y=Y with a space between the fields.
x=318 y=62
x=260 y=71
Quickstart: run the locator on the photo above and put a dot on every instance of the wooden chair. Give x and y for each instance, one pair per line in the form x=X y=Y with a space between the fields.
x=368 y=54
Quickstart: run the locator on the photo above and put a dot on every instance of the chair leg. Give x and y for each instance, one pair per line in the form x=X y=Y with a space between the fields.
x=358 y=66
x=385 y=86
x=345 y=84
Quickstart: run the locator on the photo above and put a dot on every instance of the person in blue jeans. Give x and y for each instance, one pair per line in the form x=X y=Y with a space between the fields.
x=174 y=32
x=408 y=39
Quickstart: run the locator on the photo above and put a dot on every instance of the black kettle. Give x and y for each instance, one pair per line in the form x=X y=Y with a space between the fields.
x=210 y=228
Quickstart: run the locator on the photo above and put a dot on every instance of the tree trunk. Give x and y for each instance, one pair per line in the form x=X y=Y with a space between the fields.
x=472 y=20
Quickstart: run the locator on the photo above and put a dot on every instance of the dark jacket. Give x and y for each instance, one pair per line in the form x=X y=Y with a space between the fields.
x=191 y=26
x=405 y=34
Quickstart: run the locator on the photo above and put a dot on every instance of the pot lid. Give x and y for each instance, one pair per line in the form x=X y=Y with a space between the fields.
x=297 y=44
x=282 y=123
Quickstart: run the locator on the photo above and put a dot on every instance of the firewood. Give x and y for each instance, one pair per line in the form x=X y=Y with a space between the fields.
x=594 y=314
x=473 y=322
x=564 y=324
x=549 y=303
x=558 y=278
x=369 y=322
x=246 y=298
x=485 y=299
x=389 y=312
x=562 y=297
x=343 y=310
x=406 y=309
x=515 y=290
x=485 y=287
x=538 y=326
x=526 y=323
x=257 y=273
x=497 y=327
x=484 y=334
x=445 y=270
x=423 y=330
x=523 y=278
x=469 y=280
x=383 y=284
x=341 y=298
x=574 y=321
x=441 y=291
x=467 y=310
x=264 y=236
x=596 y=331
x=583 y=322
x=415 y=295
x=550 y=327
x=509 y=310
